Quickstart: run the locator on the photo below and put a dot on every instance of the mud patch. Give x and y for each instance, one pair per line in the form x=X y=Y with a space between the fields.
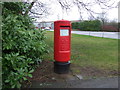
x=44 y=73
x=92 y=72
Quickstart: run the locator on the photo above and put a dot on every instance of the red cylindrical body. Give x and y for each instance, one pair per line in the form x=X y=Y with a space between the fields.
x=62 y=39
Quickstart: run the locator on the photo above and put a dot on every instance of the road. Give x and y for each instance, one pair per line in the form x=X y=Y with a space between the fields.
x=114 y=35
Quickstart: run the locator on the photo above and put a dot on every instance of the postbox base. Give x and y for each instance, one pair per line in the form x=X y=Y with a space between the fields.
x=61 y=67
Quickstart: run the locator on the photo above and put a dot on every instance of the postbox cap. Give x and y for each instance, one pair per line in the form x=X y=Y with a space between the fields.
x=62 y=21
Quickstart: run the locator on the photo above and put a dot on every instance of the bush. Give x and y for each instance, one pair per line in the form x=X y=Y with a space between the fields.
x=22 y=45
x=109 y=28
x=75 y=25
x=94 y=25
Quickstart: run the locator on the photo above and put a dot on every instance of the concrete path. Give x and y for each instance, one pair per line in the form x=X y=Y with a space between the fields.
x=114 y=35
x=75 y=83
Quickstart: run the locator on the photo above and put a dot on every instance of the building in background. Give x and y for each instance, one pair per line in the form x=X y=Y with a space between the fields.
x=48 y=24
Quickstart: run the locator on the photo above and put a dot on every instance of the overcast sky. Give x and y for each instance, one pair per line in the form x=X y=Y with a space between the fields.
x=73 y=14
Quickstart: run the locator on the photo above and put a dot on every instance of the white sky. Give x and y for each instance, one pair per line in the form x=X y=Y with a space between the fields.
x=73 y=14
x=119 y=12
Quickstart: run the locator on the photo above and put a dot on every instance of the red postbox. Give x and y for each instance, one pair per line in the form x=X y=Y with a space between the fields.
x=62 y=38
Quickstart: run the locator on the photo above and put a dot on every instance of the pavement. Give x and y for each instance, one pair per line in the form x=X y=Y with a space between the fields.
x=113 y=35
x=105 y=82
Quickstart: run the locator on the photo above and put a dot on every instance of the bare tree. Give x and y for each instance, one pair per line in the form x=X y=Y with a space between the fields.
x=103 y=18
x=85 y=5
x=91 y=18
x=29 y=7
x=119 y=16
x=38 y=8
x=114 y=23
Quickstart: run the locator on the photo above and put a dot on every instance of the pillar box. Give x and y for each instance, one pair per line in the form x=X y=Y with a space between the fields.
x=62 y=38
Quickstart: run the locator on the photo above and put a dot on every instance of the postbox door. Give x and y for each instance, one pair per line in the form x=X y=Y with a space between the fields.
x=62 y=36
x=64 y=48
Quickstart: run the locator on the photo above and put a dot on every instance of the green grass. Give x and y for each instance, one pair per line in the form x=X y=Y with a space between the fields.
x=89 y=51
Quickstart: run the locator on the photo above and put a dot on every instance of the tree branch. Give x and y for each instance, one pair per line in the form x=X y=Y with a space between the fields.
x=29 y=8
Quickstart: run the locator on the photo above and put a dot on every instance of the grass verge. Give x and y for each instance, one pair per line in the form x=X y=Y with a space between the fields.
x=89 y=51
